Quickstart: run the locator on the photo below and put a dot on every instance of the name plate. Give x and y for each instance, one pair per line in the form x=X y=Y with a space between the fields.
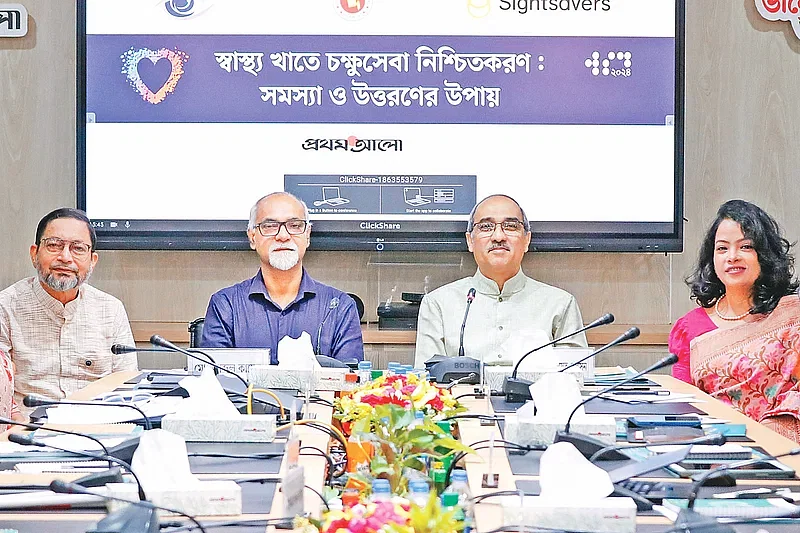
x=13 y=20
x=239 y=360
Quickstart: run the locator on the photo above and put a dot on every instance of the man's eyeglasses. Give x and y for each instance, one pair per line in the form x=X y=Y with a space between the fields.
x=54 y=245
x=509 y=227
x=270 y=228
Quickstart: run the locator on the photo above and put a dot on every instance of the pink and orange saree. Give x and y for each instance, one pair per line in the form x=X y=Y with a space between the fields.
x=754 y=367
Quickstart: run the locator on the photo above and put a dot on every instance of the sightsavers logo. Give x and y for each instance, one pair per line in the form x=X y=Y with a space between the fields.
x=479 y=8
x=528 y=6
x=148 y=75
x=352 y=9
x=185 y=8
x=775 y=10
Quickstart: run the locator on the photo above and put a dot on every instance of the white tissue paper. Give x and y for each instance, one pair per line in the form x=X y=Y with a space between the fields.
x=206 y=399
x=565 y=473
x=573 y=497
x=161 y=463
x=297 y=354
x=555 y=395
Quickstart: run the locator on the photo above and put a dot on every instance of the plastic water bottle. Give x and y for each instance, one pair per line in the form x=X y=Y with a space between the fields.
x=364 y=371
x=381 y=490
x=419 y=491
x=419 y=418
x=450 y=501
x=459 y=485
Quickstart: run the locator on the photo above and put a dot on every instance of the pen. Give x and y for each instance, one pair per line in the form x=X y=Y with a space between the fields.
x=644 y=393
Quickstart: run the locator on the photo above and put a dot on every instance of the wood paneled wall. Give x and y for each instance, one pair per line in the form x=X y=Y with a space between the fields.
x=741 y=135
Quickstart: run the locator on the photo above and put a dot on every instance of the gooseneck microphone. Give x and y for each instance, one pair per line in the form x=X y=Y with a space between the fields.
x=138 y=517
x=470 y=298
x=518 y=390
x=27 y=440
x=36 y=400
x=8 y=421
x=158 y=340
x=588 y=446
x=334 y=303
x=631 y=333
x=711 y=440
x=120 y=349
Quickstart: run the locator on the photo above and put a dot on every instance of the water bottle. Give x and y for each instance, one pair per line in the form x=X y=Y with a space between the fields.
x=459 y=485
x=419 y=491
x=364 y=372
x=381 y=490
x=450 y=502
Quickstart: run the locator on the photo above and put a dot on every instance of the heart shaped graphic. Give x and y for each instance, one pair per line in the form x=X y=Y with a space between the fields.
x=132 y=61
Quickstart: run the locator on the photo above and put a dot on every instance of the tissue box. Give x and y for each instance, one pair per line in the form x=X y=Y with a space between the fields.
x=494 y=375
x=325 y=379
x=220 y=497
x=609 y=515
x=537 y=430
x=241 y=428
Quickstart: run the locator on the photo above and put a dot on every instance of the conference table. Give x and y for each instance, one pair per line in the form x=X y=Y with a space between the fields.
x=488 y=514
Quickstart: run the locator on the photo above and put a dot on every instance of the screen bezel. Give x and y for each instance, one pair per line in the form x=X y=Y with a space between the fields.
x=445 y=237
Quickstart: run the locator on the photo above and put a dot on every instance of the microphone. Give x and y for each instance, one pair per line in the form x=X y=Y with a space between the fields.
x=589 y=446
x=158 y=340
x=120 y=349
x=27 y=440
x=8 y=421
x=36 y=400
x=711 y=440
x=470 y=298
x=689 y=520
x=334 y=303
x=444 y=369
x=518 y=390
x=138 y=517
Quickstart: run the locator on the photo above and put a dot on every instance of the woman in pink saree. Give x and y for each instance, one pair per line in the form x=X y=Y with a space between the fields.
x=744 y=340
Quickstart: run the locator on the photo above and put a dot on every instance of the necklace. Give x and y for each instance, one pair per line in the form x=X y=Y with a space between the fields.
x=729 y=318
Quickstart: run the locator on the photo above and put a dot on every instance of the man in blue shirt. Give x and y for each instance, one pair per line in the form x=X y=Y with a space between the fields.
x=282 y=299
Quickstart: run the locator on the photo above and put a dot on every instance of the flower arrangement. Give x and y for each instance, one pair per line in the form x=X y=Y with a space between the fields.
x=385 y=517
x=404 y=391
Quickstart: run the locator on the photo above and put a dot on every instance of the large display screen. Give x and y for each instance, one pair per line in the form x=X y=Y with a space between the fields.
x=389 y=118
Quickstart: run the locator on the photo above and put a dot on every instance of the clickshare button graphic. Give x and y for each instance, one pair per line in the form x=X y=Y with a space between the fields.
x=153 y=74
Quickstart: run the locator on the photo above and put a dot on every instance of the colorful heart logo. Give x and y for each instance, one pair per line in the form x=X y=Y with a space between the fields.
x=130 y=67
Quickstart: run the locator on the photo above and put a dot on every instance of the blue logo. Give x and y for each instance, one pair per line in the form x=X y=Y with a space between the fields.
x=180 y=8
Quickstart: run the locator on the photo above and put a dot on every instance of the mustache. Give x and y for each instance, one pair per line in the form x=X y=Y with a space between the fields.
x=500 y=246
x=71 y=268
x=285 y=246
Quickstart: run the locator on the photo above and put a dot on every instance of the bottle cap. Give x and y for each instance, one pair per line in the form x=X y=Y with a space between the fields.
x=450 y=499
x=376 y=374
x=418 y=415
x=459 y=475
x=381 y=485
x=363 y=365
x=419 y=486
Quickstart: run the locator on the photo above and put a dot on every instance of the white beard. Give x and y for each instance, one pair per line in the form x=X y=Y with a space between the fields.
x=284 y=259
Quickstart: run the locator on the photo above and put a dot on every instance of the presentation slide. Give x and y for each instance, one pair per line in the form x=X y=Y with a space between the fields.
x=389 y=118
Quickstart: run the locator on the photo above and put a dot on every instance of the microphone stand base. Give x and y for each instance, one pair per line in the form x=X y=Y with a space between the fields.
x=589 y=446
x=690 y=521
x=517 y=390
x=130 y=519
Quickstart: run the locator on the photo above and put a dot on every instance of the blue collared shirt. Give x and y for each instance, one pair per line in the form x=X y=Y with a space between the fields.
x=244 y=316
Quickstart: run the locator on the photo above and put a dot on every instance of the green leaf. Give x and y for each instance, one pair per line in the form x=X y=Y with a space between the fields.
x=452 y=444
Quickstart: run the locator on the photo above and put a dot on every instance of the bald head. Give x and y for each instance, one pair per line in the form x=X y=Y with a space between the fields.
x=522 y=216
x=253 y=220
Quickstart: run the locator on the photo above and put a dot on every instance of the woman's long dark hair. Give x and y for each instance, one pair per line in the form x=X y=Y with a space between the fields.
x=777 y=264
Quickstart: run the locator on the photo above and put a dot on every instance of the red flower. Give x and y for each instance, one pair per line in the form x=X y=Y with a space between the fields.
x=436 y=403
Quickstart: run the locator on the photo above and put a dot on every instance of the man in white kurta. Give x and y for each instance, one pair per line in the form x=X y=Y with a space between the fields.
x=507 y=303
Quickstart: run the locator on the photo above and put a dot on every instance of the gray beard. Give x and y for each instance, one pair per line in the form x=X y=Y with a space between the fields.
x=62 y=285
x=284 y=259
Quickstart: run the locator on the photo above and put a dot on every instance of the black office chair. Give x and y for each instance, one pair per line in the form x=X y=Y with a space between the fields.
x=359 y=305
x=196 y=332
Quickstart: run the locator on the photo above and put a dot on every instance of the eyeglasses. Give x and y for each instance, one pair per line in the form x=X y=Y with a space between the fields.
x=270 y=228
x=509 y=227
x=54 y=245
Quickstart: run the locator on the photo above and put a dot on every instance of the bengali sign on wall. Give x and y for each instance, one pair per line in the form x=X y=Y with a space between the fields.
x=13 y=20
x=775 y=10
